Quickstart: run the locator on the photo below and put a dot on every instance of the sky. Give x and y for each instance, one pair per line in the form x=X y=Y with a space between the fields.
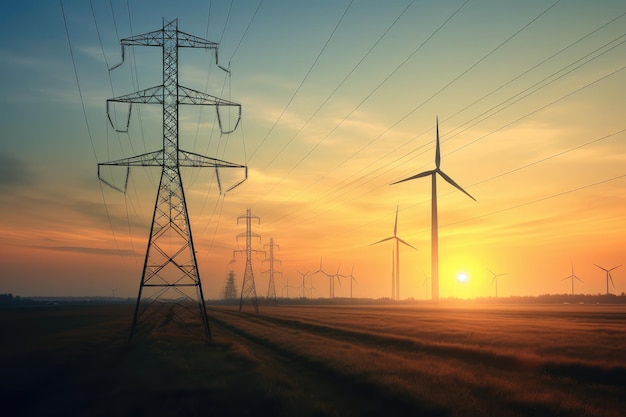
x=339 y=100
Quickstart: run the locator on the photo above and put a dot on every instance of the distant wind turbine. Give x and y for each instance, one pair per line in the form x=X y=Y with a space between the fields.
x=572 y=277
x=351 y=276
x=303 y=287
x=608 y=276
x=395 y=278
x=494 y=280
x=434 y=226
x=425 y=282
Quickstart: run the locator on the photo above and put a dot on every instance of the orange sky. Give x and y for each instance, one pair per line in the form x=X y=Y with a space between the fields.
x=530 y=101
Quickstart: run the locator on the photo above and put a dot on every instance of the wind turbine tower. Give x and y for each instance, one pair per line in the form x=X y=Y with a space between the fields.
x=271 y=289
x=494 y=280
x=572 y=277
x=352 y=279
x=170 y=265
x=395 y=279
x=248 y=289
x=608 y=276
x=434 y=226
x=303 y=274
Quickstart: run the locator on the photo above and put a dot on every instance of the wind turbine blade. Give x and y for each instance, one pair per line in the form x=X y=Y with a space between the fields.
x=451 y=182
x=395 y=225
x=574 y=276
x=615 y=267
x=384 y=240
x=408 y=244
x=607 y=270
x=420 y=175
x=437 y=151
x=454 y=184
x=611 y=278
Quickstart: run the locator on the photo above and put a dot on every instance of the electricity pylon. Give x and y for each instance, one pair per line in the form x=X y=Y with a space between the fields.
x=271 y=289
x=248 y=289
x=170 y=264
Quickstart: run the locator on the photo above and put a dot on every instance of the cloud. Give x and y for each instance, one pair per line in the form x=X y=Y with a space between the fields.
x=13 y=172
x=87 y=250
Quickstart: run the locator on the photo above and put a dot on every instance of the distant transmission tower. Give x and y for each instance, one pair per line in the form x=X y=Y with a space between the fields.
x=230 y=290
x=271 y=289
x=170 y=272
x=248 y=289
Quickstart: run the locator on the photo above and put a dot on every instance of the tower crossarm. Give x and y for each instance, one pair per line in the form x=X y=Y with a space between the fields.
x=158 y=38
x=149 y=159
x=188 y=95
x=152 y=95
x=194 y=160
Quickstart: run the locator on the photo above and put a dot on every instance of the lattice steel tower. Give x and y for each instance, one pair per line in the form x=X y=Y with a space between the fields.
x=248 y=288
x=271 y=271
x=170 y=280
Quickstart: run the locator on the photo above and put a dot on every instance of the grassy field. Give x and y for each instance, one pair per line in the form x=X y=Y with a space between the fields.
x=558 y=360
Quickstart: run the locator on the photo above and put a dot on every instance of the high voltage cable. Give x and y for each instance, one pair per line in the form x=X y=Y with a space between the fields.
x=404 y=156
x=82 y=103
x=339 y=85
x=522 y=167
x=367 y=97
x=532 y=92
x=573 y=190
x=500 y=128
x=303 y=80
x=245 y=32
x=412 y=139
x=424 y=102
x=443 y=88
x=519 y=169
x=535 y=66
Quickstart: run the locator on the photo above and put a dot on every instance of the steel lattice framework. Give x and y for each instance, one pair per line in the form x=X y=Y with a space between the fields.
x=271 y=271
x=170 y=265
x=248 y=288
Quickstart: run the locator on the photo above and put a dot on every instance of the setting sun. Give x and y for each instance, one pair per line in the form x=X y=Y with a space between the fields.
x=462 y=277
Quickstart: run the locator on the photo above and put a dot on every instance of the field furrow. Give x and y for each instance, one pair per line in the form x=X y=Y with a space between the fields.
x=477 y=380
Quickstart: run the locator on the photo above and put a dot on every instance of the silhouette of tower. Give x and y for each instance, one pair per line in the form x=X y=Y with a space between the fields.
x=230 y=290
x=271 y=289
x=248 y=289
x=170 y=278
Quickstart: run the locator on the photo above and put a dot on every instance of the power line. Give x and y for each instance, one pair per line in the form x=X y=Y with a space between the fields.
x=508 y=39
x=82 y=103
x=394 y=71
x=303 y=80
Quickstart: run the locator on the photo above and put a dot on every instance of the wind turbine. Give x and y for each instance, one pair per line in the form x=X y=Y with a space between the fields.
x=572 y=277
x=332 y=281
x=330 y=278
x=434 y=226
x=286 y=287
x=495 y=279
x=425 y=282
x=608 y=276
x=395 y=278
x=303 y=287
x=351 y=276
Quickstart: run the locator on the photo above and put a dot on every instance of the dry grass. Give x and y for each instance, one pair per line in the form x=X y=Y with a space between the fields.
x=320 y=361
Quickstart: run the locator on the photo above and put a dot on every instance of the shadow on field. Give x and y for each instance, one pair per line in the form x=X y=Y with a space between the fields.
x=74 y=361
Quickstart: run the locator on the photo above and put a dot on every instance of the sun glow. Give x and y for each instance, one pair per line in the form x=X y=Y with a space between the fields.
x=462 y=277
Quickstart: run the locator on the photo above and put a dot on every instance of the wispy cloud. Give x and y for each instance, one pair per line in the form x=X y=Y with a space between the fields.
x=87 y=250
x=13 y=172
